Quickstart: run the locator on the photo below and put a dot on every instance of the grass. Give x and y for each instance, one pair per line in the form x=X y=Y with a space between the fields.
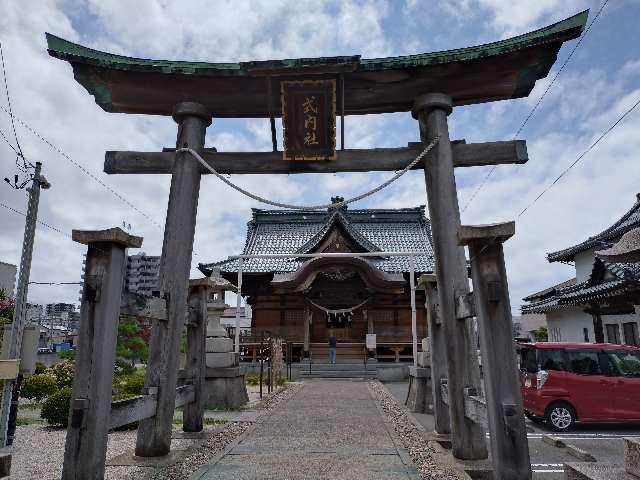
x=29 y=406
x=23 y=422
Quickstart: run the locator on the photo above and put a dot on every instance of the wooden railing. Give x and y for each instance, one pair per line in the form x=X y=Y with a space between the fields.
x=138 y=408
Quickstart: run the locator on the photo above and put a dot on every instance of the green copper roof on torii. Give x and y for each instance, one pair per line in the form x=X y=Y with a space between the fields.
x=494 y=71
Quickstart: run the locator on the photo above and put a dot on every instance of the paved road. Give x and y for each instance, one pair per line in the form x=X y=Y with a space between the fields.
x=329 y=429
x=604 y=442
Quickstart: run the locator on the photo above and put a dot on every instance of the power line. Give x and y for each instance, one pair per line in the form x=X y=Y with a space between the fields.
x=82 y=168
x=55 y=283
x=535 y=107
x=19 y=154
x=581 y=156
x=44 y=224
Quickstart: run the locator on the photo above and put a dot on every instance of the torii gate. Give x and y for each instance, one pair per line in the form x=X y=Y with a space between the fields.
x=429 y=85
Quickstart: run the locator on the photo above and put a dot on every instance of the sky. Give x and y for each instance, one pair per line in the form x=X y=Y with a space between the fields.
x=601 y=80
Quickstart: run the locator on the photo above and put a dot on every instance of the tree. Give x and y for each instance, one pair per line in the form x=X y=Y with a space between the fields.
x=7 y=307
x=541 y=334
x=131 y=344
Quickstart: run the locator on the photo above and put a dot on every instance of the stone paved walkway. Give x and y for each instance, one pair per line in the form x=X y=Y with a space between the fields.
x=328 y=430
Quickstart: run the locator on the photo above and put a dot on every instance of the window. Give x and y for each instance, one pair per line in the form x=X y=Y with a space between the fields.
x=585 y=333
x=551 y=359
x=624 y=363
x=613 y=333
x=584 y=362
x=630 y=330
x=528 y=360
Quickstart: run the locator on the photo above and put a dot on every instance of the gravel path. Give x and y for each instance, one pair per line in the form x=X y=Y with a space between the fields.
x=38 y=451
x=422 y=453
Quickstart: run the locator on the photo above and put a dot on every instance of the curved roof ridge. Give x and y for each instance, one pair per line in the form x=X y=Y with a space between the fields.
x=618 y=228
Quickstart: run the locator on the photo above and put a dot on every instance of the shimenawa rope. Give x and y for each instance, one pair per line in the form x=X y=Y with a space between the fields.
x=202 y=162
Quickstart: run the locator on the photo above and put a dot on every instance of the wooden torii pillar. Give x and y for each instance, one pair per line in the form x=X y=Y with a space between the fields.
x=431 y=111
x=154 y=434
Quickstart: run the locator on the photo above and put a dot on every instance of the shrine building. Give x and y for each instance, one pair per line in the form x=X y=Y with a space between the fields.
x=300 y=299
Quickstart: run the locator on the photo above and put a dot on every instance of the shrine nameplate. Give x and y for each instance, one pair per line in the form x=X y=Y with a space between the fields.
x=309 y=119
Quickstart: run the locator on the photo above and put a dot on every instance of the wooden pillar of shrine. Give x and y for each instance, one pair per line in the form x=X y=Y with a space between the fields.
x=438 y=353
x=308 y=315
x=154 y=434
x=509 y=445
x=199 y=292
x=431 y=111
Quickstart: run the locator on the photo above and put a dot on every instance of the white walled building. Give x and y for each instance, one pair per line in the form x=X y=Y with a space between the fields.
x=8 y=278
x=601 y=302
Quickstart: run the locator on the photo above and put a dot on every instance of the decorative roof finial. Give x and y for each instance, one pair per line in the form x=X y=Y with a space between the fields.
x=337 y=200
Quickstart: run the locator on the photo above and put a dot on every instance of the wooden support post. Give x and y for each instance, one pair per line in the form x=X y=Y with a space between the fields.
x=598 y=329
x=154 y=434
x=193 y=417
x=509 y=446
x=90 y=408
x=438 y=350
x=431 y=110
x=307 y=333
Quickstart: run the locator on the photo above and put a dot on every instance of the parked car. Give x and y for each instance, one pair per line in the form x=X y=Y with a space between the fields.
x=567 y=382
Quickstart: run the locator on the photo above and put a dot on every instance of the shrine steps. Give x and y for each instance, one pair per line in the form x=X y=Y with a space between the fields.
x=337 y=370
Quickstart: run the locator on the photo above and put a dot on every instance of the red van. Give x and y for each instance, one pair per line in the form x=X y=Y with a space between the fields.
x=567 y=382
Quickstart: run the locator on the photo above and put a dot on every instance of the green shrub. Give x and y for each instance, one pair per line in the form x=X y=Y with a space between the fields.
x=252 y=379
x=130 y=384
x=67 y=354
x=55 y=409
x=280 y=380
x=63 y=372
x=123 y=367
x=40 y=368
x=38 y=386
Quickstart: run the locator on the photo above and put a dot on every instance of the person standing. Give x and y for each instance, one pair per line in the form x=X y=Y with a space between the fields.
x=332 y=347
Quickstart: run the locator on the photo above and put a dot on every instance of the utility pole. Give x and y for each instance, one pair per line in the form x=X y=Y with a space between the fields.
x=12 y=387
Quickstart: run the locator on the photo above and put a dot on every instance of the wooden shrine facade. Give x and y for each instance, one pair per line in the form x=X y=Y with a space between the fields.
x=304 y=300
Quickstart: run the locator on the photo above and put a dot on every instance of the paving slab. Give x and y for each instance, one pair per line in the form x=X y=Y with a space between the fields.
x=328 y=429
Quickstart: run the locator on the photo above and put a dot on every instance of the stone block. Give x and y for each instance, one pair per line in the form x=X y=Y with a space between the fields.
x=632 y=455
x=425 y=344
x=220 y=359
x=223 y=372
x=219 y=344
x=5 y=465
x=229 y=392
x=420 y=397
x=424 y=359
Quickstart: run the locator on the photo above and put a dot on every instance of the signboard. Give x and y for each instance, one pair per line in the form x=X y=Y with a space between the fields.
x=309 y=119
x=371 y=341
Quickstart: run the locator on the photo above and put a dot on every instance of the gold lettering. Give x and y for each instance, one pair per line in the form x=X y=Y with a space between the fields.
x=309 y=105
x=310 y=138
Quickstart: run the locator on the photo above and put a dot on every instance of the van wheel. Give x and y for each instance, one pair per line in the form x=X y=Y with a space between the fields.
x=560 y=416
x=534 y=418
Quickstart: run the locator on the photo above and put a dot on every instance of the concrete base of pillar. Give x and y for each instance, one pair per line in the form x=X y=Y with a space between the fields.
x=227 y=390
x=420 y=398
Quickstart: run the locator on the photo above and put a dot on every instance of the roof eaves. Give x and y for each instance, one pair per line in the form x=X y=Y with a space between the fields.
x=568 y=254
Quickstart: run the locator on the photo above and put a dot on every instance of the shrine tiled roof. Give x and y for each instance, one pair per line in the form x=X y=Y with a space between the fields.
x=374 y=230
x=607 y=280
x=629 y=221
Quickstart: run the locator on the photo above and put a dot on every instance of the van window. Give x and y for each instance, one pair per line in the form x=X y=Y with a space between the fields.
x=551 y=359
x=624 y=363
x=528 y=361
x=584 y=362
